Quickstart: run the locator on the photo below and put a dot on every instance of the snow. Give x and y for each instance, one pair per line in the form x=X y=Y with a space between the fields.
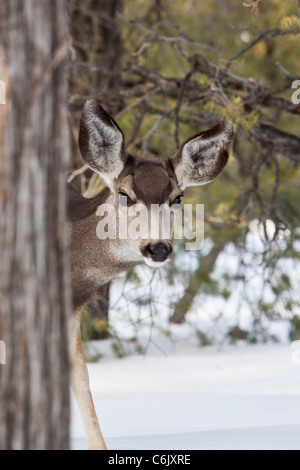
x=237 y=397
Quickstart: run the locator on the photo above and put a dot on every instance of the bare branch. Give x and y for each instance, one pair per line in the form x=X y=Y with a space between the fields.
x=78 y=172
x=268 y=33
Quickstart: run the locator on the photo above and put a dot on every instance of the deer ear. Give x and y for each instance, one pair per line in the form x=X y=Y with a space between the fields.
x=203 y=157
x=101 y=142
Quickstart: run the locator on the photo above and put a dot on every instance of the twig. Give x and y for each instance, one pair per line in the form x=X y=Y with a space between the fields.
x=78 y=172
x=138 y=101
x=269 y=32
x=253 y=5
x=58 y=57
x=286 y=72
x=182 y=38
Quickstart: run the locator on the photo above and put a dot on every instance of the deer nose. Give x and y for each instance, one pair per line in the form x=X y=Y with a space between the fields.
x=159 y=253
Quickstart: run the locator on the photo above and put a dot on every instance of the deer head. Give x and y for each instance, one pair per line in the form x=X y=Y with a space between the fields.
x=137 y=184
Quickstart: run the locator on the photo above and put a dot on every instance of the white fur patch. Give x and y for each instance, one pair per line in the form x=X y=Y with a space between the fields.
x=125 y=253
x=154 y=264
x=106 y=145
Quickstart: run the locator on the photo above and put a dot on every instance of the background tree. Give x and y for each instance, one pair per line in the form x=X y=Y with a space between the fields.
x=34 y=269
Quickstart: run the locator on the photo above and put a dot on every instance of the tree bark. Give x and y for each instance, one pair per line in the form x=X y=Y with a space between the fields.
x=35 y=302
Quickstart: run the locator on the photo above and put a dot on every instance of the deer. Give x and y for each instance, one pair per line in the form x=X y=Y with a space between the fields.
x=131 y=181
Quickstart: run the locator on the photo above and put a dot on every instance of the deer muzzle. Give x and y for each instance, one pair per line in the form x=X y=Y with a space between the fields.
x=156 y=254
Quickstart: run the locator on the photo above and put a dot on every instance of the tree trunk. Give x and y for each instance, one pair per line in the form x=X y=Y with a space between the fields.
x=34 y=273
x=206 y=267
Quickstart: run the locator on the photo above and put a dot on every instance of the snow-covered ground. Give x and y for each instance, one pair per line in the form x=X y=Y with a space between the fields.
x=237 y=397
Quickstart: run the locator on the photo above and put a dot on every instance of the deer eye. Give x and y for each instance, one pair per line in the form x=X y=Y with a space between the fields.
x=125 y=200
x=177 y=201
